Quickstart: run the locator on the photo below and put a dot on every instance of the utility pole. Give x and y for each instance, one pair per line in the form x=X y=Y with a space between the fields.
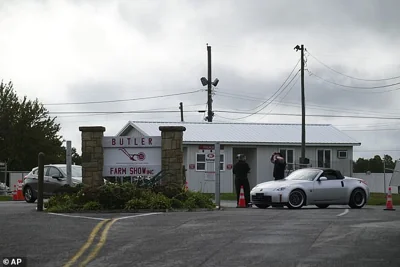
x=181 y=109
x=207 y=81
x=209 y=98
x=303 y=108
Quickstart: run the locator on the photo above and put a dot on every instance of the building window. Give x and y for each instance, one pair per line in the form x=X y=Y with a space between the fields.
x=288 y=154
x=324 y=158
x=201 y=162
x=342 y=154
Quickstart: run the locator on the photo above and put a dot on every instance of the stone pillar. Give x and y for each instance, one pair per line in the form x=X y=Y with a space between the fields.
x=172 y=153
x=92 y=155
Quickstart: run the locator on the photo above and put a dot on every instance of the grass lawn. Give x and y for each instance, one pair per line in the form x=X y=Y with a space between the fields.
x=375 y=198
x=5 y=198
x=380 y=199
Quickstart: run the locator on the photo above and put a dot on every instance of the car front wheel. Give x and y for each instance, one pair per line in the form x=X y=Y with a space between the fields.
x=28 y=195
x=357 y=199
x=296 y=199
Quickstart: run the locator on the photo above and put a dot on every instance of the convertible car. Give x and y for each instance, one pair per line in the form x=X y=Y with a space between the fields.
x=311 y=186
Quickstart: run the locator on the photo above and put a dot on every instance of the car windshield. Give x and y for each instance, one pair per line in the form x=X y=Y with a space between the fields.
x=303 y=174
x=76 y=170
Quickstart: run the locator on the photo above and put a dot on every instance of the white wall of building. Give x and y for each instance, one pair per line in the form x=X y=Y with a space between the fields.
x=259 y=159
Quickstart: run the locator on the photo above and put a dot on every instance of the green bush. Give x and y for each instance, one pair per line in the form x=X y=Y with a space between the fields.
x=129 y=197
x=176 y=203
x=137 y=204
x=92 y=205
x=159 y=201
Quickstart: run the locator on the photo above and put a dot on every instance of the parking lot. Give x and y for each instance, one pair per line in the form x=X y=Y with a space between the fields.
x=231 y=237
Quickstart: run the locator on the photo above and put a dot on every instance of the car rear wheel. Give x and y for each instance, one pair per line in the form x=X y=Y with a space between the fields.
x=322 y=206
x=296 y=199
x=260 y=206
x=28 y=195
x=357 y=199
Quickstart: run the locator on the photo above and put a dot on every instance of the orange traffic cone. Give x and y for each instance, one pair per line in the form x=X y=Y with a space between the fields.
x=389 y=202
x=14 y=193
x=242 y=201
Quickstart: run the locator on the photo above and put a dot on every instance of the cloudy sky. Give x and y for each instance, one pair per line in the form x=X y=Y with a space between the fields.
x=83 y=51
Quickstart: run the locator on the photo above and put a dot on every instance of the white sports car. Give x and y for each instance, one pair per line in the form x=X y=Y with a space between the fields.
x=312 y=186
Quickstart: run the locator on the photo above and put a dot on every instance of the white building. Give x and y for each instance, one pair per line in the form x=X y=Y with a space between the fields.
x=326 y=146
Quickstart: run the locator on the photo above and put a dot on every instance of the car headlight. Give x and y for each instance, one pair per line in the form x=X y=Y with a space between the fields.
x=254 y=188
x=280 y=189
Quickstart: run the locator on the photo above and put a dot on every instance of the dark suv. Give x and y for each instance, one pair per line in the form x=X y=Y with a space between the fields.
x=55 y=176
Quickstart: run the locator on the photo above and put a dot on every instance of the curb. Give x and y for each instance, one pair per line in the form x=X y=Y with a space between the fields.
x=133 y=211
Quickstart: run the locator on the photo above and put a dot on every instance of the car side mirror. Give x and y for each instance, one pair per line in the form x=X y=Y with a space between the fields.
x=322 y=178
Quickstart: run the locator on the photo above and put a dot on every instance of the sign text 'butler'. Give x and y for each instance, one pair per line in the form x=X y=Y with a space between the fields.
x=129 y=141
x=132 y=156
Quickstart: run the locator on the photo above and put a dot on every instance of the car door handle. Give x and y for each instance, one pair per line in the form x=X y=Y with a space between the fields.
x=342 y=183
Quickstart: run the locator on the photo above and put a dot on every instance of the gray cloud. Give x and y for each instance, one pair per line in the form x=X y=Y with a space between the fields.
x=159 y=48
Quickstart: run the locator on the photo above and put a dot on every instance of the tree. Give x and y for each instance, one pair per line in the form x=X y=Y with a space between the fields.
x=76 y=158
x=25 y=130
x=374 y=165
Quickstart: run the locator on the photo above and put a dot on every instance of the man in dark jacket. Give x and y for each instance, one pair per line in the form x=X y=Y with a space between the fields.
x=240 y=170
x=279 y=166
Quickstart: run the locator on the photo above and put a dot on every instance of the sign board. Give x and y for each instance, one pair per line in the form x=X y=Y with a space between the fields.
x=131 y=156
x=2 y=164
x=209 y=147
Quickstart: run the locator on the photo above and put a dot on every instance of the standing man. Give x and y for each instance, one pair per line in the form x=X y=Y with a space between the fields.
x=279 y=166
x=240 y=170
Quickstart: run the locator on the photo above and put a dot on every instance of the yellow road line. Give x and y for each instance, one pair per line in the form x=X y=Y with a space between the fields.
x=86 y=245
x=100 y=244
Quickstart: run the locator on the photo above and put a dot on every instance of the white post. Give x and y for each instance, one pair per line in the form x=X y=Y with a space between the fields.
x=384 y=174
x=217 y=175
x=69 y=163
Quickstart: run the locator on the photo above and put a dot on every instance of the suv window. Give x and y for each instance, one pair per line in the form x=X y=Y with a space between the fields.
x=55 y=172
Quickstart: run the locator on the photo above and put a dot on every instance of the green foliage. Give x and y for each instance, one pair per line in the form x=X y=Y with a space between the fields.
x=137 y=204
x=5 y=198
x=25 y=130
x=127 y=197
x=92 y=205
x=374 y=165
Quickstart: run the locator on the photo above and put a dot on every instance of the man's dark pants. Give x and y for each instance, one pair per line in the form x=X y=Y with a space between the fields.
x=246 y=188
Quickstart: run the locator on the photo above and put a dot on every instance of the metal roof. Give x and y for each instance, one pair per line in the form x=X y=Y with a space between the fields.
x=255 y=133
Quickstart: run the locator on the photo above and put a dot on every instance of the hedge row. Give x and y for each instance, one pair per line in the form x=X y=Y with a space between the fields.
x=127 y=197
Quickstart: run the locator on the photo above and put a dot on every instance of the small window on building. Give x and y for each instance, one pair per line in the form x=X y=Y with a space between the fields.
x=342 y=154
x=201 y=162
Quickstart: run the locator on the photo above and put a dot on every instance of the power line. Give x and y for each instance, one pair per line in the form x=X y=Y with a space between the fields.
x=121 y=100
x=279 y=102
x=309 y=106
x=352 y=77
x=220 y=111
x=312 y=115
x=355 y=87
x=276 y=92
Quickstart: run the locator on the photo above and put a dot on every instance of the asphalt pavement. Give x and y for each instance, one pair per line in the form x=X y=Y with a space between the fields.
x=232 y=237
